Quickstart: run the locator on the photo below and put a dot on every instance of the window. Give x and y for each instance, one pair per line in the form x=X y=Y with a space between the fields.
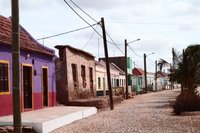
x=117 y=82
x=4 y=77
x=74 y=75
x=83 y=75
x=99 y=83
x=140 y=81
x=112 y=82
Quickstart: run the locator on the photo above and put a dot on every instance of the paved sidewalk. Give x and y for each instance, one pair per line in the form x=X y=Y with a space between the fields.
x=147 y=113
x=48 y=119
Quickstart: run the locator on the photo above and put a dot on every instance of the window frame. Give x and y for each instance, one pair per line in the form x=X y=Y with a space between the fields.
x=99 y=83
x=6 y=62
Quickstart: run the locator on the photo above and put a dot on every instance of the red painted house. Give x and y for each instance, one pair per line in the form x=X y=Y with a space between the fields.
x=37 y=71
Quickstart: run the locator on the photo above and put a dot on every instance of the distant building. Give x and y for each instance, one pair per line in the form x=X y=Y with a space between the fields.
x=117 y=78
x=150 y=81
x=37 y=71
x=162 y=80
x=120 y=62
x=138 y=80
x=75 y=73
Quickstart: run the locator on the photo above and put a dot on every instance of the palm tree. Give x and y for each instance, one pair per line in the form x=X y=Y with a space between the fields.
x=162 y=63
x=188 y=68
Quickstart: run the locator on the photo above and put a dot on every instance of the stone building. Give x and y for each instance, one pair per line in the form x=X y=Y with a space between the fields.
x=75 y=74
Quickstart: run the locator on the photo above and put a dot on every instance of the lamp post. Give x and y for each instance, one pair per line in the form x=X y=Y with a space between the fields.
x=126 y=73
x=156 y=75
x=145 y=70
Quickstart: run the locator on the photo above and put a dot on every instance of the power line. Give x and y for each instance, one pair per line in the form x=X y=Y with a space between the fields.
x=84 y=44
x=84 y=11
x=134 y=52
x=89 y=39
x=114 y=43
x=65 y=32
x=150 y=60
x=88 y=22
x=81 y=17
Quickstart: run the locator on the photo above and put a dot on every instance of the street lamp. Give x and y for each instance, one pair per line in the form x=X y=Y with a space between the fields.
x=126 y=73
x=145 y=70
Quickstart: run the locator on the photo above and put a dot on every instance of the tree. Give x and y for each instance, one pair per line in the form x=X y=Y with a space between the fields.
x=187 y=72
x=162 y=63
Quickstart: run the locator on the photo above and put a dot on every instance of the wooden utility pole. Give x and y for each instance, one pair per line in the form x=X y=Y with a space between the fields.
x=107 y=64
x=16 y=67
x=126 y=73
x=145 y=73
x=156 y=75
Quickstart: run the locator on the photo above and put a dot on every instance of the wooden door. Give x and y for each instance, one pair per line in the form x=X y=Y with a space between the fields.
x=27 y=87
x=45 y=86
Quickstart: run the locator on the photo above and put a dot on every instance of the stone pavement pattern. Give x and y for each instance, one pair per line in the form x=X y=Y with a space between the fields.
x=147 y=113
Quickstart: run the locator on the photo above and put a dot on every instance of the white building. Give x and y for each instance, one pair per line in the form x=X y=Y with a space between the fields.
x=117 y=77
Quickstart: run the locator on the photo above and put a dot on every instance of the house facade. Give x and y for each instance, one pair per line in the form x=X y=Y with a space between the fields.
x=119 y=61
x=37 y=71
x=75 y=73
x=117 y=78
x=151 y=81
x=138 y=80
x=162 y=80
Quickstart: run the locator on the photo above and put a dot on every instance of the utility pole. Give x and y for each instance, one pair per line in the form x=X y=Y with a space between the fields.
x=107 y=63
x=156 y=75
x=98 y=48
x=16 y=66
x=126 y=73
x=145 y=73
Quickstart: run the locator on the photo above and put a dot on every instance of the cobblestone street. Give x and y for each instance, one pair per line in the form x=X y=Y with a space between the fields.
x=147 y=113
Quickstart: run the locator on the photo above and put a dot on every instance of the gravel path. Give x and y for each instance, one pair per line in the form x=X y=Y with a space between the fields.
x=147 y=113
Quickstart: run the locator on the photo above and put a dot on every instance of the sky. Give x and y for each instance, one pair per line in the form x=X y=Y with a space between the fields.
x=159 y=24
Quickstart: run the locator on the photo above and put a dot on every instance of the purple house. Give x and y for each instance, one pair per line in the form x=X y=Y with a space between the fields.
x=37 y=71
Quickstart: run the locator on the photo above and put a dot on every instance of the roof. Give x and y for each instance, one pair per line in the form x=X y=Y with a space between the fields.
x=137 y=72
x=121 y=71
x=27 y=42
x=161 y=74
x=76 y=50
x=112 y=66
x=119 y=61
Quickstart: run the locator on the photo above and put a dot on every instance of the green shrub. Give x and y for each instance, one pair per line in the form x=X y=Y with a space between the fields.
x=186 y=101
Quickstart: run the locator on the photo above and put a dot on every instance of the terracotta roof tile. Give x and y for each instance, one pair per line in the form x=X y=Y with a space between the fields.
x=27 y=42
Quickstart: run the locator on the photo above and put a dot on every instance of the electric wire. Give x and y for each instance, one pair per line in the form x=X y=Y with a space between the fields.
x=114 y=43
x=84 y=11
x=81 y=17
x=93 y=20
x=89 y=39
x=59 y=34
x=84 y=44
x=150 y=60
x=135 y=52
x=87 y=22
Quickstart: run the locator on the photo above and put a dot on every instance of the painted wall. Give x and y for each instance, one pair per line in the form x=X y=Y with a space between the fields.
x=115 y=75
x=37 y=61
x=73 y=58
x=66 y=90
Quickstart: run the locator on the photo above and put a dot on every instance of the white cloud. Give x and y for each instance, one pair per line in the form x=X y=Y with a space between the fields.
x=33 y=5
x=160 y=24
